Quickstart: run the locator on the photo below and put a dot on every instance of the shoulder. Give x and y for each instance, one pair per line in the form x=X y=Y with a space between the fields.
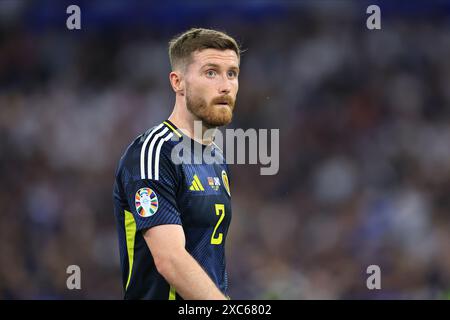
x=149 y=153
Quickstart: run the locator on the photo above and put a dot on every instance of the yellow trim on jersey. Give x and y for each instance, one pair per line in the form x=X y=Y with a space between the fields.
x=130 y=234
x=172 y=293
x=172 y=128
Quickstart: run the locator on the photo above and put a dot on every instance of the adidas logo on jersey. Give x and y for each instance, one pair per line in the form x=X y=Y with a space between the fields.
x=196 y=185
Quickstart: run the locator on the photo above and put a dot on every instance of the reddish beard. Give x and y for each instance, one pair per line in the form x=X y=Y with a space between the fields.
x=212 y=115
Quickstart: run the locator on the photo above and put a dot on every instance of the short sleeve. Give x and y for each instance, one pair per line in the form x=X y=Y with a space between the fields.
x=154 y=202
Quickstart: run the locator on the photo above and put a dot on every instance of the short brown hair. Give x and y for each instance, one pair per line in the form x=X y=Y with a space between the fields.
x=182 y=46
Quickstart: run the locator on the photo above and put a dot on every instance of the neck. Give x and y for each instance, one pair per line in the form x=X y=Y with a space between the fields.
x=184 y=120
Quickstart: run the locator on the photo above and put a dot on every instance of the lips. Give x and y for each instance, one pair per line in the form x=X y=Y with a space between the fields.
x=225 y=101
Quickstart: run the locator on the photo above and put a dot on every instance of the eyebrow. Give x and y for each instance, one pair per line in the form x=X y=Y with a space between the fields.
x=215 y=65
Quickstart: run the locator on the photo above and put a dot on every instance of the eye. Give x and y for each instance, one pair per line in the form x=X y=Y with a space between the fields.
x=210 y=73
x=232 y=74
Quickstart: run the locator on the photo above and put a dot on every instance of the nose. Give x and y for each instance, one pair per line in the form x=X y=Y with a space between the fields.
x=224 y=86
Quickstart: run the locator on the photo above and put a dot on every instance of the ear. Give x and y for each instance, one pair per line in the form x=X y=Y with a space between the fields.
x=177 y=82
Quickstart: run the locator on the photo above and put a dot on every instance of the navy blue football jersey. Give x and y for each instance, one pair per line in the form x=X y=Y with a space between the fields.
x=154 y=187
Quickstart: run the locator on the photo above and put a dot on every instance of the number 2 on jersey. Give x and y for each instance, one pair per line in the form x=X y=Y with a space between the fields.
x=220 y=211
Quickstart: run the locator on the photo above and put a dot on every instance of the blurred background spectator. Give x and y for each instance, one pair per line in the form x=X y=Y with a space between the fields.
x=364 y=143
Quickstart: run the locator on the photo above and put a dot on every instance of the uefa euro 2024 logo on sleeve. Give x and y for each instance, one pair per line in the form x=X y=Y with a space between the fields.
x=146 y=202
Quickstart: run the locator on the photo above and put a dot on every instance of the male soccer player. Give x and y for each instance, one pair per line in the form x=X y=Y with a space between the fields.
x=173 y=218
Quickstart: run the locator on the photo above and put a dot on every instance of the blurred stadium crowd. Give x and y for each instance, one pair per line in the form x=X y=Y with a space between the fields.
x=364 y=152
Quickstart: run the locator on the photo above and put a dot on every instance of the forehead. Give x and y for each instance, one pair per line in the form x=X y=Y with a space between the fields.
x=221 y=57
